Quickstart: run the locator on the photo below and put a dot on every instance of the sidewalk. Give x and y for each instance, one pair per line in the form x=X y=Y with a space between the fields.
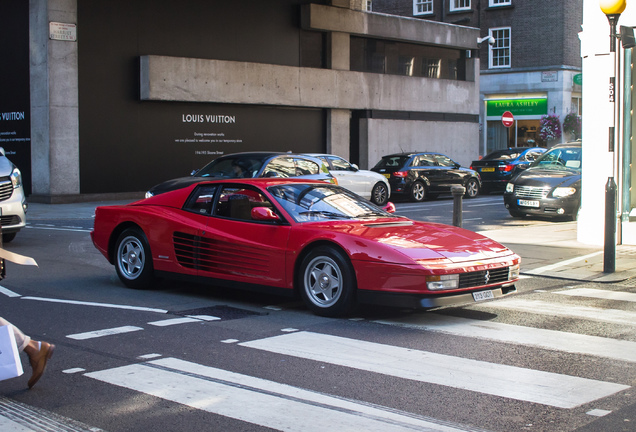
x=547 y=249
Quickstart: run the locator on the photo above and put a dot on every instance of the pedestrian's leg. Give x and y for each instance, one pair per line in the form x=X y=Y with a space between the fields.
x=21 y=340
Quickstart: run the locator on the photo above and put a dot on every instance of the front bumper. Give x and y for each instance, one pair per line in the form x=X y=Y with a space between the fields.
x=13 y=212
x=550 y=207
x=415 y=301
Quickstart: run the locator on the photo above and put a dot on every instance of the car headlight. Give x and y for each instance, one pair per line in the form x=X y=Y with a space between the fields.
x=443 y=282
x=16 y=178
x=513 y=272
x=149 y=194
x=510 y=187
x=562 y=192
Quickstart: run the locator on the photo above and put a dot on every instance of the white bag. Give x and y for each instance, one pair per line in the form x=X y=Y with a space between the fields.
x=10 y=364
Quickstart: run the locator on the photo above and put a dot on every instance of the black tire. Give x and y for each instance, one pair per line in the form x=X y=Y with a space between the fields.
x=6 y=238
x=515 y=213
x=380 y=194
x=418 y=192
x=327 y=282
x=472 y=188
x=133 y=260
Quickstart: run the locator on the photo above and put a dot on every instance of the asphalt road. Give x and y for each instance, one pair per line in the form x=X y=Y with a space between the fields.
x=556 y=356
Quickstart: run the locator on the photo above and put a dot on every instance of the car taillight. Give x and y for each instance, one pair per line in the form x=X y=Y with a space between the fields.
x=506 y=168
x=401 y=174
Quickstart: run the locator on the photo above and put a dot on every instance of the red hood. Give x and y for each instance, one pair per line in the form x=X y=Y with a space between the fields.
x=419 y=241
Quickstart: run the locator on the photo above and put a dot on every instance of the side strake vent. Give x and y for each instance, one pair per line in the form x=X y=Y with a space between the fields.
x=217 y=256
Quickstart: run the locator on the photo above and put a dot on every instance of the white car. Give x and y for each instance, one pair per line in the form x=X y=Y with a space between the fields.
x=368 y=184
x=13 y=203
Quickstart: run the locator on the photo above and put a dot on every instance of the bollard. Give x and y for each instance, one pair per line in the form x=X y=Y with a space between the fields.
x=609 y=248
x=458 y=194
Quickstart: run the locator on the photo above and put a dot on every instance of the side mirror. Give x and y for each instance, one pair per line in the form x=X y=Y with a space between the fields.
x=264 y=214
x=355 y=167
x=389 y=207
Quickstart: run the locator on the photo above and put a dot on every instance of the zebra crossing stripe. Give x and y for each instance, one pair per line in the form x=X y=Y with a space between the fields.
x=613 y=316
x=259 y=401
x=104 y=332
x=512 y=382
x=599 y=294
x=519 y=335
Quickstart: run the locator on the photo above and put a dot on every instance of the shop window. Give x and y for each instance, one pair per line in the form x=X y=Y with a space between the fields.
x=399 y=58
x=499 y=53
x=459 y=5
x=422 y=7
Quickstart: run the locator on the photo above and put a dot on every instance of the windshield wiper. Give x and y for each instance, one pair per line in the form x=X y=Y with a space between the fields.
x=327 y=214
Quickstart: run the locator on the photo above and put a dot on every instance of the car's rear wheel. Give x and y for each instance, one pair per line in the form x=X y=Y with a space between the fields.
x=418 y=191
x=327 y=282
x=472 y=188
x=133 y=259
x=380 y=194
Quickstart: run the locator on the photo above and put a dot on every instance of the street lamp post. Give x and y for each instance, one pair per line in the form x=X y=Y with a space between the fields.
x=613 y=10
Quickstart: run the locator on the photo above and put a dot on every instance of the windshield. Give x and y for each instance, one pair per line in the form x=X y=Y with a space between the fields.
x=314 y=202
x=560 y=158
x=236 y=166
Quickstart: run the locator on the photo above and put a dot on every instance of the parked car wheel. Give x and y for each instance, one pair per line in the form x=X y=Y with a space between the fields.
x=472 y=188
x=515 y=213
x=6 y=238
x=418 y=191
x=133 y=259
x=380 y=194
x=327 y=282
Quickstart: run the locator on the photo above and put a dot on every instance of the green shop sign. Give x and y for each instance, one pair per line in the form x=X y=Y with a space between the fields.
x=518 y=107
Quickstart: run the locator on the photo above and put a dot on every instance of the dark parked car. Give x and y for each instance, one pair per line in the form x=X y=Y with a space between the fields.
x=252 y=165
x=420 y=175
x=499 y=166
x=551 y=186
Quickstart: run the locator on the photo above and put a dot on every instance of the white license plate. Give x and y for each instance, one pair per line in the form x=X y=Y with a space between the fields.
x=483 y=295
x=527 y=203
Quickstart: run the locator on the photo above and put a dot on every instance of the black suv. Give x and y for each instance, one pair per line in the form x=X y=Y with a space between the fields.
x=425 y=175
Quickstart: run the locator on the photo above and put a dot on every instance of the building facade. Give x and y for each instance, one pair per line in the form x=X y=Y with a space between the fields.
x=109 y=97
x=531 y=69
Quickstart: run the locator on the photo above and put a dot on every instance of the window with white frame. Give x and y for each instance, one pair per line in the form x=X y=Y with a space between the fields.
x=368 y=4
x=499 y=52
x=422 y=7
x=494 y=3
x=458 y=5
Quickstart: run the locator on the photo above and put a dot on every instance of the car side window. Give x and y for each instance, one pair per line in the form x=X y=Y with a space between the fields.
x=280 y=167
x=531 y=156
x=445 y=161
x=201 y=200
x=305 y=167
x=340 y=164
x=238 y=202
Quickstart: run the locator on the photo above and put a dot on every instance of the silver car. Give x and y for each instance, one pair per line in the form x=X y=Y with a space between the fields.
x=368 y=184
x=13 y=205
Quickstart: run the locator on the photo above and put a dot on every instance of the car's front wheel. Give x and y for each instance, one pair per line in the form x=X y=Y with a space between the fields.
x=380 y=194
x=418 y=191
x=515 y=213
x=6 y=238
x=133 y=259
x=327 y=282
x=472 y=188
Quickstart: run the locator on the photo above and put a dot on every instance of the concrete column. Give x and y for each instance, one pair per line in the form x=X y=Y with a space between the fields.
x=339 y=120
x=54 y=103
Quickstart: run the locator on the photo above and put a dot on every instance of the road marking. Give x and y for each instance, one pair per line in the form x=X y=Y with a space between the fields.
x=271 y=404
x=173 y=321
x=57 y=229
x=562 y=391
x=519 y=335
x=73 y=370
x=613 y=316
x=599 y=294
x=8 y=292
x=544 y=269
x=104 y=332
x=105 y=305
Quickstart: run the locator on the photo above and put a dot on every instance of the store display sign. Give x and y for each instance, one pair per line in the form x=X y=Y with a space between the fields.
x=518 y=107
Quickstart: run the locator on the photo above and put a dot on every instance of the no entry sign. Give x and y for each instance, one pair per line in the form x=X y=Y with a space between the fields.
x=507 y=119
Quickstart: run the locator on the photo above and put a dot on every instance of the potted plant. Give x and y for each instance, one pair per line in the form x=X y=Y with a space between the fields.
x=549 y=127
x=572 y=125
